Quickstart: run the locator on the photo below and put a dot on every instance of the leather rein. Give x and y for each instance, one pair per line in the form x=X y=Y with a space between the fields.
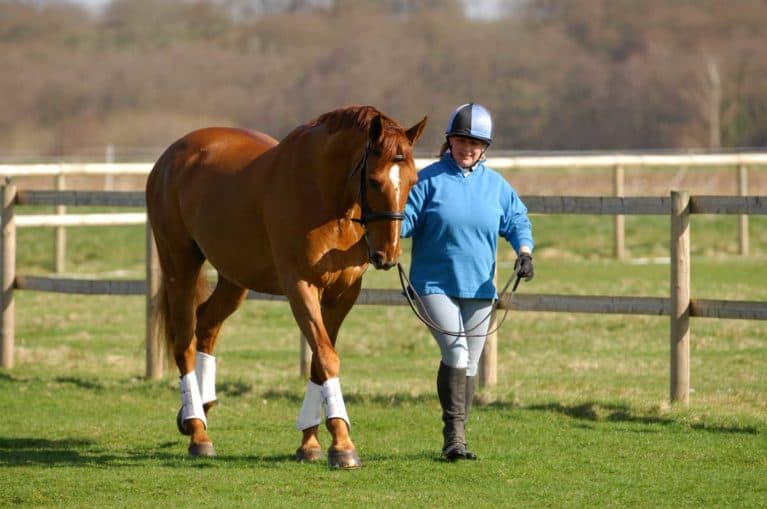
x=416 y=304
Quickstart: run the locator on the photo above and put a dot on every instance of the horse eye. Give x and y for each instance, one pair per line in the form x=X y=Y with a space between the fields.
x=374 y=184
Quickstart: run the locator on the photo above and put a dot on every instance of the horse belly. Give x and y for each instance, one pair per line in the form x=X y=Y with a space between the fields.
x=254 y=273
x=242 y=256
x=224 y=219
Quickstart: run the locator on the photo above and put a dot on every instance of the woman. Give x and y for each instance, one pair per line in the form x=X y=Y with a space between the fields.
x=455 y=214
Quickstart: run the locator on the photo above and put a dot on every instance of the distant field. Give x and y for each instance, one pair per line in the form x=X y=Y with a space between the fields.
x=580 y=415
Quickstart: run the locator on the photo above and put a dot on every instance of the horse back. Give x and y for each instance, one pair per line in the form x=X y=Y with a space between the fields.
x=222 y=148
x=194 y=192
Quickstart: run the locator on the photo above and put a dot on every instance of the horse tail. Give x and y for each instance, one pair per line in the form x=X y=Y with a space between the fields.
x=162 y=331
x=162 y=326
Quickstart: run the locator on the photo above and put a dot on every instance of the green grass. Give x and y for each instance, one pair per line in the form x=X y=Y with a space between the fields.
x=579 y=417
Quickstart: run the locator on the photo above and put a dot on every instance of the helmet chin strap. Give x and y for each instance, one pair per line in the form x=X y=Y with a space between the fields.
x=482 y=154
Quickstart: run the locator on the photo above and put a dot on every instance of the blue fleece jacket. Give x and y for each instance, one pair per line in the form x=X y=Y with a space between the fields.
x=455 y=220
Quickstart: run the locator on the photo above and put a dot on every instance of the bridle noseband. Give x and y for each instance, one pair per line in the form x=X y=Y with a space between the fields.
x=368 y=215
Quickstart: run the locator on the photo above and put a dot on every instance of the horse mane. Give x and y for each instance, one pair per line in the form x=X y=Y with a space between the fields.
x=356 y=117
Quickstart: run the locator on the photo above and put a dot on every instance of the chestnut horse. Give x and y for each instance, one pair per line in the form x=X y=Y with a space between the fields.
x=300 y=218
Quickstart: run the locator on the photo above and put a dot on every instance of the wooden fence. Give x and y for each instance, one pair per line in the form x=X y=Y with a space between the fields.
x=679 y=306
x=616 y=162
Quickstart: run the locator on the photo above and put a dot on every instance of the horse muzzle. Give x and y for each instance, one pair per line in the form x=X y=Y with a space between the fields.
x=380 y=261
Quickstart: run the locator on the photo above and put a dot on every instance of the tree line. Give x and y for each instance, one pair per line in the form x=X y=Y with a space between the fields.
x=557 y=74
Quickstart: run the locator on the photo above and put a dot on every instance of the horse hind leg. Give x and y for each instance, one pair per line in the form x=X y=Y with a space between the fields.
x=182 y=284
x=224 y=301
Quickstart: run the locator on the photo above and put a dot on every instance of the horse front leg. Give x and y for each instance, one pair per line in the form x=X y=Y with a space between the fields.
x=324 y=386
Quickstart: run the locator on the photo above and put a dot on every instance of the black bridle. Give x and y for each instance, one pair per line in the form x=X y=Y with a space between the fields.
x=368 y=215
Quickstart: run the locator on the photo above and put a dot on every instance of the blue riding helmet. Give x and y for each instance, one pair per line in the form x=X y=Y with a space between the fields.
x=471 y=120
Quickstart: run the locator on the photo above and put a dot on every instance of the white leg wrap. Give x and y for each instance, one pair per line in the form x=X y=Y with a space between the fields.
x=205 y=369
x=334 y=401
x=311 y=410
x=191 y=403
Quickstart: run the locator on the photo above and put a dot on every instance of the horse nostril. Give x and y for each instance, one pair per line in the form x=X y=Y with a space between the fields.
x=377 y=259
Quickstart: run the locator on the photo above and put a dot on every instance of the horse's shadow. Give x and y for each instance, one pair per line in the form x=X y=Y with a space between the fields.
x=38 y=451
x=26 y=451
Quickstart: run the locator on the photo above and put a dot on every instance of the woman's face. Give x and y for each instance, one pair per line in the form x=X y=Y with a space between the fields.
x=466 y=151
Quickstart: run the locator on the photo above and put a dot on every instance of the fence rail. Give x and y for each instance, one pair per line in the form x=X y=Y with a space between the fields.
x=741 y=161
x=603 y=160
x=679 y=306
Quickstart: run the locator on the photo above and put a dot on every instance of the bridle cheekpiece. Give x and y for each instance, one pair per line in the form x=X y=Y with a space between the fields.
x=368 y=215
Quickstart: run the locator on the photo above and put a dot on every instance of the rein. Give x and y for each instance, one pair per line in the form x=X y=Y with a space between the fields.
x=415 y=302
x=368 y=215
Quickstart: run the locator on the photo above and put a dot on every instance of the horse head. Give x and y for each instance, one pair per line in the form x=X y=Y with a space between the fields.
x=386 y=174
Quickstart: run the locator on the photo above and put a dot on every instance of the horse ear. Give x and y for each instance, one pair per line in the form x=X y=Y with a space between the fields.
x=376 y=129
x=415 y=132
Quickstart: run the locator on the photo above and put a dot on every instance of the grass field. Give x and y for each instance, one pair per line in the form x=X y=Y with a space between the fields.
x=579 y=418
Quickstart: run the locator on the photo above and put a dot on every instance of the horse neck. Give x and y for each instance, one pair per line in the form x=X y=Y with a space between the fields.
x=340 y=154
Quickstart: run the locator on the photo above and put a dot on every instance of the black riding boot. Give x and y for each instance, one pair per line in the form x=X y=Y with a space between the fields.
x=470 y=385
x=451 y=389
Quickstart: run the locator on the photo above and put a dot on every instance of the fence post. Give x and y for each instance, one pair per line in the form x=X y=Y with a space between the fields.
x=305 y=357
x=743 y=218
x=620 y=237
x=155 y=353
x=680 y=297
x=61 y=232
x=7 y=276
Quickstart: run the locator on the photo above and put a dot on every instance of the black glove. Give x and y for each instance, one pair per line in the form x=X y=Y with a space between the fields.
x=523 y=267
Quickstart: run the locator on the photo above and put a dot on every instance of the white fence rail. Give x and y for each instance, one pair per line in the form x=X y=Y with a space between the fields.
x=617 y=161
x=609 y=160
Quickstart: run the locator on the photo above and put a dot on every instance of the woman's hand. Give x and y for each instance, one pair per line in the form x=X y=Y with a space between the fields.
x=523 y=267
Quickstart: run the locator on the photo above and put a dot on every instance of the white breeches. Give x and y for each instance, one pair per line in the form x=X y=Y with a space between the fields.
x=460 y=315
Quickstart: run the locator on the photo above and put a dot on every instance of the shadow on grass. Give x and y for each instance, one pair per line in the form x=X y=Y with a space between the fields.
x=26 y=451
x=80 y=383
x=603 y=412
x=592 y=411
x=617 y=412
x=355 y=398
x=38 y=451
x=82 y=453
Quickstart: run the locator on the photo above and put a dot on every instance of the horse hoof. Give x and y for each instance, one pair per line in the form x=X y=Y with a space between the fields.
x=312 y=454
x=204 y=449
x=180 y=424
x=347 y=460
